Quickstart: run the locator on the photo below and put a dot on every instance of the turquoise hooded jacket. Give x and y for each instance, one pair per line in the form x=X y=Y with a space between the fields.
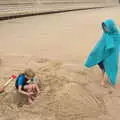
x=107 y=51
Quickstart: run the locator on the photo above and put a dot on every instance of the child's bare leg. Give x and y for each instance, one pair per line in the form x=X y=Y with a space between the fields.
x=37 y=88
x=29 y=91
x=103 y=79
x=30 y=100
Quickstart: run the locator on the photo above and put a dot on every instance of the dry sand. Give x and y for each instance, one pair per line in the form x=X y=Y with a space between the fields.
x=55 y=46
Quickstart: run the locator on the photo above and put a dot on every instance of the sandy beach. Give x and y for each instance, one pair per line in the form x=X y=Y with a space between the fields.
x=55 y=46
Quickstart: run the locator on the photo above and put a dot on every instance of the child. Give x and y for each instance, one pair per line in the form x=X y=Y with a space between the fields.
x=106 y=53
x=24 y=85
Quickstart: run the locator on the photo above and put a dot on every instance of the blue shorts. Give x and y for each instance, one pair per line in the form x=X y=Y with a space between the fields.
x=101 y=66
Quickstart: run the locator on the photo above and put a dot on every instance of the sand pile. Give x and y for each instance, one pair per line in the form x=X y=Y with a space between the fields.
x=65 y=93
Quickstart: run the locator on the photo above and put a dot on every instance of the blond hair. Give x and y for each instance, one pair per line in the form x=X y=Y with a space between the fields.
x=29 y=72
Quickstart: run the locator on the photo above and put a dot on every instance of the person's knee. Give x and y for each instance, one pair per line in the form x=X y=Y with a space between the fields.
x=33 y=86
x=29 y=87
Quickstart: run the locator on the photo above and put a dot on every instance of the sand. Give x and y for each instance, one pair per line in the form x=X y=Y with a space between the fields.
x=55 y=46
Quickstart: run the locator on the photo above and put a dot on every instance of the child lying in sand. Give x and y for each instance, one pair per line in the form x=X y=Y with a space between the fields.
x=26 y=85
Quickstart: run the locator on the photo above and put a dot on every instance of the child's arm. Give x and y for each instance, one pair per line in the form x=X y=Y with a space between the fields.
x=23 y=92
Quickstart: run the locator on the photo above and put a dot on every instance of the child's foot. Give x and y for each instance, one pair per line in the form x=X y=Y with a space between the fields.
x=103 y=84
x=33 y=98
x=30 y=101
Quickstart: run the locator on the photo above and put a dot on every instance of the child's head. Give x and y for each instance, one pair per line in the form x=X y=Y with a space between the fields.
x=110 y=26
x=29 y=73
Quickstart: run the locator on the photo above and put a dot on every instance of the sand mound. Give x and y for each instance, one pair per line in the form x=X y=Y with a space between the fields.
x=65 y=98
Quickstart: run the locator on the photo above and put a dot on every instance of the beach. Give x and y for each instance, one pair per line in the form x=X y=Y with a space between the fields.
x=56 y=46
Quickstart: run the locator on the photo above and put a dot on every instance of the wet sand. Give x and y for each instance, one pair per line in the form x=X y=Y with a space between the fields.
x=55 y=46
x=18 y=8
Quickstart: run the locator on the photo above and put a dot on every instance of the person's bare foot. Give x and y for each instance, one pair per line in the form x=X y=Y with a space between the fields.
x=30 y=101
x=33 y=98
x=102 y=84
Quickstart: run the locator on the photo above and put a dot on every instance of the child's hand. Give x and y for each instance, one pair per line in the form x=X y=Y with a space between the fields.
x=30 y=93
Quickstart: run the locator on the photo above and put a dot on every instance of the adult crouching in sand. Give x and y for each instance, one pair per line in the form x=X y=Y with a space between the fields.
x=106 y=53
